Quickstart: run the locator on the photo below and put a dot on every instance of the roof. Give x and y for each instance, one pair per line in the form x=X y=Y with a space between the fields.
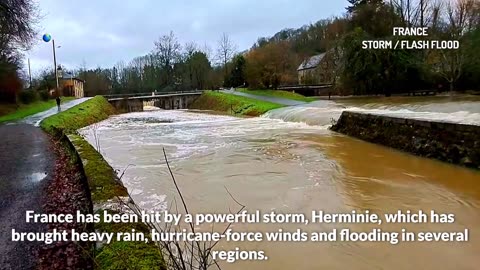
x=311 y=62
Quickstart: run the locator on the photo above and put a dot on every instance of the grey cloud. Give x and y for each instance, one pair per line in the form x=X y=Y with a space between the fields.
x=103 y=32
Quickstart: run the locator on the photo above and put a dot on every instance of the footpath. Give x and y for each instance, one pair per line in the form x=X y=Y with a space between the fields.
x=26 y=167
x=282 y=101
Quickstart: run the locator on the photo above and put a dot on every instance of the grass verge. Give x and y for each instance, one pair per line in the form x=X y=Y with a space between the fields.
x=279 y=94
x=104 y=186
x=217 y=101
x=82 y=115
x=10 y=112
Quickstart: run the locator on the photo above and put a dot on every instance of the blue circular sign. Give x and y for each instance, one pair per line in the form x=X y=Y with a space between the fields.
x=47 y=37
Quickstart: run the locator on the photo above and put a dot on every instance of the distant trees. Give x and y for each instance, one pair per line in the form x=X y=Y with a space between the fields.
x=362 y=71
x=167 y=53
x=236 y=77
x=271 y=65
x=462 y=18
x=170 y=66
x=225 y=51
x=273 y=61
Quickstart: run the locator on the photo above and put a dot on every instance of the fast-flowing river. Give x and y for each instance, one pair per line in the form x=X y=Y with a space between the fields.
x=288 y=161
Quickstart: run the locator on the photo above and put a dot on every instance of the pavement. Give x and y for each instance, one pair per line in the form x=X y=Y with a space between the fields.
x=283 y=101
x=37 y=118
x=26 y=166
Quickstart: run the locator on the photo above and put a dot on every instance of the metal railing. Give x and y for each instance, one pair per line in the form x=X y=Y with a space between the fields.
x=152 y=94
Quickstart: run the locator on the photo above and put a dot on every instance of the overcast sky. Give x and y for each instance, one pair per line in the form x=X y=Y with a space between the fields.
x=103 y=32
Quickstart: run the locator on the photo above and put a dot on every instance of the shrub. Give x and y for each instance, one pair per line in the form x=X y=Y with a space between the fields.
x=44 y=95
x=27 y=96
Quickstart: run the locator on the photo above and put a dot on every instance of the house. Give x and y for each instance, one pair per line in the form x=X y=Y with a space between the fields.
x=318 y=69
x=72 y=86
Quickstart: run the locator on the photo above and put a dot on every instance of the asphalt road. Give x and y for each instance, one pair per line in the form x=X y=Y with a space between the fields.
x=26 y=167
x=26 y=164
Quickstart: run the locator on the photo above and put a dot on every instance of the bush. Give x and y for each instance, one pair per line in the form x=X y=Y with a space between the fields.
x=27 y=96
x=44 y=95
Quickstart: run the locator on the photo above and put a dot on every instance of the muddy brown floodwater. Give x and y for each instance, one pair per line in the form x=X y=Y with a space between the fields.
x=288 y=161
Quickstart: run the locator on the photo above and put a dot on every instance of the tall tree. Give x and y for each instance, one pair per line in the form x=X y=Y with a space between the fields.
x=237 y=74
x=167 y=51
x=226 y=50
x=17 y=22
x=461 y=16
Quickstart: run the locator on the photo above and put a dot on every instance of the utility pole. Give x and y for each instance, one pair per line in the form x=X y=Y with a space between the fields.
x=30 y=72
x=55 y=64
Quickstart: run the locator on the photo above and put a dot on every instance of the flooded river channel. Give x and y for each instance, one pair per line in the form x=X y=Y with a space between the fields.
x=288 y=161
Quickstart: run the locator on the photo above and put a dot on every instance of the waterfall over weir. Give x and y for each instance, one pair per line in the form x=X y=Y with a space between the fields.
x=325 y=113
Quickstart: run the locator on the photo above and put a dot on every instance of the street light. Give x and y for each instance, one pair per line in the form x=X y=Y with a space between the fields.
x=47 y=38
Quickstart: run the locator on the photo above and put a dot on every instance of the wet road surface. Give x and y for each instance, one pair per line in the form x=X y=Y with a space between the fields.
x=26 y=167
x=26 y=164
x=37 y=118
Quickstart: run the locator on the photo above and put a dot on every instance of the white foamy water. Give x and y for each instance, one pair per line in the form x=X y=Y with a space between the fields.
x=326 y=112
x=289 y=162
x=138 y=139
x=460 y=117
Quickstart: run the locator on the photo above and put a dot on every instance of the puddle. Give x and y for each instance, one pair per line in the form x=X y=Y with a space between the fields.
x=37 y=177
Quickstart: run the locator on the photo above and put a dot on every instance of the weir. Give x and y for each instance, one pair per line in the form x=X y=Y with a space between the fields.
x=451 y=142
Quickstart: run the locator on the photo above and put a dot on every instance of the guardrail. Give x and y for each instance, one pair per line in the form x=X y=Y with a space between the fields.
x=145 y=94
x=316 y=86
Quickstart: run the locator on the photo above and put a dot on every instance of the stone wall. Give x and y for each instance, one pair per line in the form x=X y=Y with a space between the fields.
x=449 y=142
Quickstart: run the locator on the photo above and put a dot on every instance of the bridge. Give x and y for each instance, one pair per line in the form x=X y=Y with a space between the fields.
x=135 y=102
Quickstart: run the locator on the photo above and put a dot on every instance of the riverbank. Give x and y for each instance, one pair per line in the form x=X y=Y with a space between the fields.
x=449 y=142
x=231 y=104
x=12 y=112
x=105 y=188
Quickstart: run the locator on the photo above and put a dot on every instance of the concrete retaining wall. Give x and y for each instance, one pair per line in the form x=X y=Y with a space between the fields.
x=449 y=142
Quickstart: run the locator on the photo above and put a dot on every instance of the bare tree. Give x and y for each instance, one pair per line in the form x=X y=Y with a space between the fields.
x=415 y=12
x=167 y=50
x=460 y=14
x=226 y=50
x=18 y=19
x=190 y=48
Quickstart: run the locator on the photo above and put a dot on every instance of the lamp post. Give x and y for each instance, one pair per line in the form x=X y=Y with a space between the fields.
x=47 y=38
x=55 y=64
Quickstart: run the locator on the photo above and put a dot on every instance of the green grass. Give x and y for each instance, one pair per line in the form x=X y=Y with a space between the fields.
x=217 y=101
x=82 y=115
x=102 y=179
x=129 y=255
x=13 y=114
x=278 y=93
x=104 y=185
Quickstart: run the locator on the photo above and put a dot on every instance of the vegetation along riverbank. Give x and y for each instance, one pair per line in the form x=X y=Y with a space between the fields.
x=12 y=112
x=105 y=187
x=235 y=105
x=279 y=94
